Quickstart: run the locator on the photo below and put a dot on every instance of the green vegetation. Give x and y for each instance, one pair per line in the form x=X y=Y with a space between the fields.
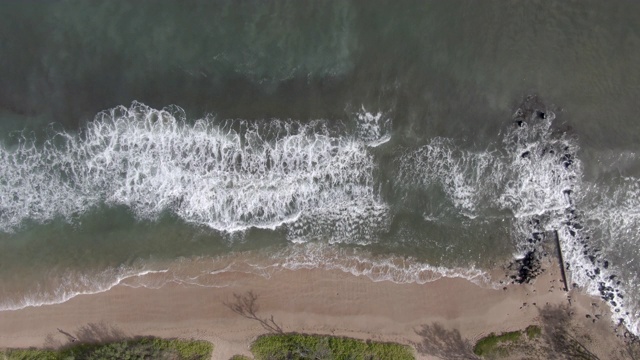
x=300 y=346
x=29 y=354
x=273 y=346
x=533 y=331
x=134 y=349
x=240 y=357
x=494 y=344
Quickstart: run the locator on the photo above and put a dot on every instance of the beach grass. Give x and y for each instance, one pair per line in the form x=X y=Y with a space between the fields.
x=301 y=346
x=29 y=354
x=136 y=348
x=495 y=344
x=533 y=331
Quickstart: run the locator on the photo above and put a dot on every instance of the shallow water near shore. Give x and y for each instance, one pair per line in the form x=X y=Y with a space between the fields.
x=380 y=140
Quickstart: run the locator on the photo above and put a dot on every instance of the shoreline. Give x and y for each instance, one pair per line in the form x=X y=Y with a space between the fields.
x=222 y=270
x=306 y=300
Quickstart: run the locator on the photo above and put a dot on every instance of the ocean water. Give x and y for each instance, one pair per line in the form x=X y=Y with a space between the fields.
x=150 y=142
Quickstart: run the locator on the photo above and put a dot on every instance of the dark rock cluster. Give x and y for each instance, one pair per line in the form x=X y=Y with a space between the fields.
x=598 y=267
x=526 y=269
x=531 y=108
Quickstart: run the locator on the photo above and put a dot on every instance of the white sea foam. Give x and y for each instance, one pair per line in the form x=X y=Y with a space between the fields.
x=525 y=176
x=612 y=219
x=359 y=262
x=467 y=177
x=216 y=271
x=66 y=286
x=228 y=175
x=542 y=168
x=374 y=129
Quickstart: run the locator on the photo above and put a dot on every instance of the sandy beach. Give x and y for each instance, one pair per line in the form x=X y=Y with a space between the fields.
x=310 y=301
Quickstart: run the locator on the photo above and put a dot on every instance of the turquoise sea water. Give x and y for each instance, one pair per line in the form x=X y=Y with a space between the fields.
x=377 y=138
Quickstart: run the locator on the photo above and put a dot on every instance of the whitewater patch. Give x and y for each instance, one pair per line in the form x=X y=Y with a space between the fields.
x=468 y=178
x=526 y=175
x=359 y=262
x=374 y=129
x=608 y=240
x=228 y=175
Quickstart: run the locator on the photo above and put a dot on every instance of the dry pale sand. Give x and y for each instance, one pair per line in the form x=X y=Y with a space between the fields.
x=311 y=301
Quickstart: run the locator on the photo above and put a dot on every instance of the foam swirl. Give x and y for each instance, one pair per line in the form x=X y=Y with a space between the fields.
x=229 y=175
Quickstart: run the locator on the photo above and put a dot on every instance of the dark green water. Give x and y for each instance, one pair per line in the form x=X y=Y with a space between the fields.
x=395 y=138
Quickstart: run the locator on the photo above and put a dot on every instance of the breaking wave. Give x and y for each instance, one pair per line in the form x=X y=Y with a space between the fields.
x=525 y=176
x=229 y=175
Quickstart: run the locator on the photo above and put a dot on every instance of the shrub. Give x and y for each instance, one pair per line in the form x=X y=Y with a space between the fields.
x=491 y=344
x=134 y=349
x=533 y=331
x=300 y=346
x=240 y=357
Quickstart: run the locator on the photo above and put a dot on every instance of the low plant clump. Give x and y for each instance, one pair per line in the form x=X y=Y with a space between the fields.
x=533 y=331
x=496 y=344
x=301 y=346
x=142 y=348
